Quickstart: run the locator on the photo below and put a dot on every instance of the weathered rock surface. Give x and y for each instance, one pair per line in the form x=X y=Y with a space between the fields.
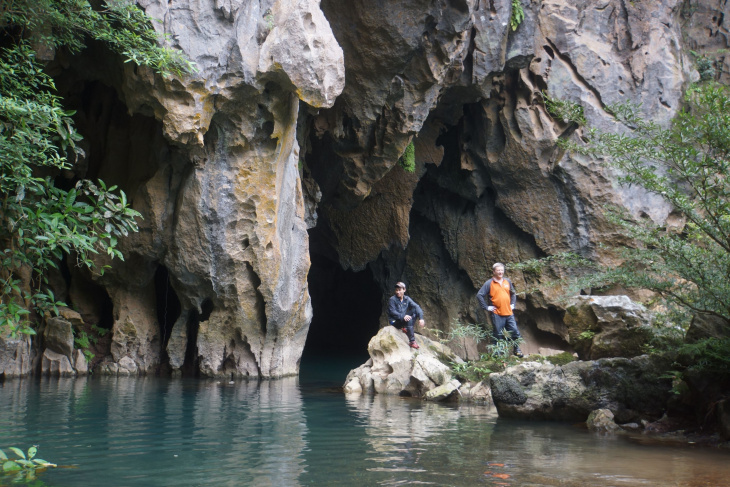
x=607 y=326
x=396 y=368
x=296 y=119
x=601 y=421
x=58 y=337
x=15 y=356
x=215 y=173
x=55 y=364
x=630 y=388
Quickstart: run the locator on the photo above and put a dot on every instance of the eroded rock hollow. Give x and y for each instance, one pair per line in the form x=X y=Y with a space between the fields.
x=285 y=142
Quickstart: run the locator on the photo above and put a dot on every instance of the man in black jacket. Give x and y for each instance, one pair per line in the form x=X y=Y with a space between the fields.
x=403 y=311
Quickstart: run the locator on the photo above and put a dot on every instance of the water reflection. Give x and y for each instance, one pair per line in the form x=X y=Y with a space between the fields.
x=134 y=432
x=124 y=431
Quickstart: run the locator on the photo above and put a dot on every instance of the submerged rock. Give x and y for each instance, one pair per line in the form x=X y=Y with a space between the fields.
x=396 y=368
x=601 y=420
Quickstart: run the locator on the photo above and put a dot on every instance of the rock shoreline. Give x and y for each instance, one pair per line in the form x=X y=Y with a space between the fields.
x=609 y=396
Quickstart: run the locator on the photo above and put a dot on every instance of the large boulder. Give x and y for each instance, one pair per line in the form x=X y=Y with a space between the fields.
x=607 y=326
x=707 y=326
x=56 y=364
x=58 y=336
x=630 y=388
x=396 y=368
x=15 y=356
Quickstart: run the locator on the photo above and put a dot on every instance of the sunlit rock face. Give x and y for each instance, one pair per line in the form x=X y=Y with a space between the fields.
x=295 y=120
x=217 y=181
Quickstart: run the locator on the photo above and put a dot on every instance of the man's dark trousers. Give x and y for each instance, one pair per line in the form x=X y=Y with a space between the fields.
x=408 y=325
x=501 y=323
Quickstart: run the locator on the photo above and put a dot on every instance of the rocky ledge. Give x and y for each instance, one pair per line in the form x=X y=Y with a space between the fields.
x=611 y=395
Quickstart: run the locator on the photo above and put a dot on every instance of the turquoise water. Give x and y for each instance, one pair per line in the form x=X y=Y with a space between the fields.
x=295 y=432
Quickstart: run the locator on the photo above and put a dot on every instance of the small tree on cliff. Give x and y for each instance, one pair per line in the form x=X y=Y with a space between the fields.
x=40 y=222
x=688 y=165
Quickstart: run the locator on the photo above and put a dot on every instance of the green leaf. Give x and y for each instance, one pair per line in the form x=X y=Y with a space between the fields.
x=32 y=451
x=11 y=466
x=18 y=452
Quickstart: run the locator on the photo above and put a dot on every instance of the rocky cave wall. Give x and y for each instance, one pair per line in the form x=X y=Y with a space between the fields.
x=295 y=121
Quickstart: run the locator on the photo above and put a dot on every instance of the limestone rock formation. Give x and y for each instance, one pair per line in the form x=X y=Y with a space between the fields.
x=55 y=364
x=289 y=134
x=215 y=281
x=16 y=356
x=601 y=421
x=397 y=369
x=607 y=326
x=631 y=389
x=58 y=337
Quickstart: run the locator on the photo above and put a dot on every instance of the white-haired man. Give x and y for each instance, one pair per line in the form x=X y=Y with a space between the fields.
x=497 y=297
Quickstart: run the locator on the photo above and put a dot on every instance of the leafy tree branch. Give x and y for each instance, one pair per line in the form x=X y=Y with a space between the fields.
x=40 y=223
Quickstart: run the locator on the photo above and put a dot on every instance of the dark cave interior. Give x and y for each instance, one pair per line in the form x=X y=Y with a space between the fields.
x=346 y=305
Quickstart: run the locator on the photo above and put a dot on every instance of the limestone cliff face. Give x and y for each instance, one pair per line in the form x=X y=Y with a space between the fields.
x=491 y=184
x=297 y=116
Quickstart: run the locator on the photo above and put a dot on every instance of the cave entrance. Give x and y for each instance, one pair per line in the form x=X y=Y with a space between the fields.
x=346 y=309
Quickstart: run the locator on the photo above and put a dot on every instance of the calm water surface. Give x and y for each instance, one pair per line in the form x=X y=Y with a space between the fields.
x=150 y=432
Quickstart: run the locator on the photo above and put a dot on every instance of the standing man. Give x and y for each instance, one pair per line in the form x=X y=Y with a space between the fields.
x=497 y=297
x=402 y=311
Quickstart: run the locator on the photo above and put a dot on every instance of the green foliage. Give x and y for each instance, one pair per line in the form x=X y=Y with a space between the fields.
x=497 y=357
x=99 y=330
x=563 y=110
x=472 y=371
x=83 y=341
x=705 y=66
x=499 y=349
x=586 y=335
x=517 y=15
x=687 y=165
x=465 y=331
x=408 y=160
x=40 y=222
x=709 y=356
x=120 y=24
x=25 y=465
x=561 y=359
x=269 y=19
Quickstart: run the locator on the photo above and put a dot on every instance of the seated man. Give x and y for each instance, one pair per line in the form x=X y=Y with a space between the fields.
x=402 y=311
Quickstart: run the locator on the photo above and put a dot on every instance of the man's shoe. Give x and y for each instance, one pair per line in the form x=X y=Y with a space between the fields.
x=414 y=345
x=404 y=330
x=518 y=352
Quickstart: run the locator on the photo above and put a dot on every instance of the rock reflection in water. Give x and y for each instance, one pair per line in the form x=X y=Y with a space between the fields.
x=147 y=431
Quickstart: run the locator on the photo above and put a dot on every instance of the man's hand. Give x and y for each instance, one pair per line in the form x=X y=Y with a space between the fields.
x=511 y=306
x=421 y=323
x=491 y=308
x=407 y=318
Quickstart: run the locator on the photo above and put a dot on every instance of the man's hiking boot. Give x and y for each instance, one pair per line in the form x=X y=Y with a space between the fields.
x=404 y=330
x=414 y=345
x=518 y=352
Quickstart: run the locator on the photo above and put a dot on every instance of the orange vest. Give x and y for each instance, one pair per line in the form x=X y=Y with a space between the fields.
x=499 y=293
